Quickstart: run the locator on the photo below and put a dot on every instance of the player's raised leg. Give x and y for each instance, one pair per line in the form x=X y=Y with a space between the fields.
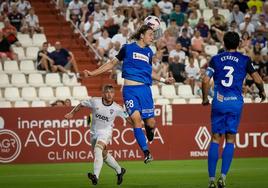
x=139 y=135
x=149 y=127
x=213 y=156
x=111 y=162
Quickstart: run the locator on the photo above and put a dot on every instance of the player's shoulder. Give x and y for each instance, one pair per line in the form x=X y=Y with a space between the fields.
x=96 y=99
x=117 y=106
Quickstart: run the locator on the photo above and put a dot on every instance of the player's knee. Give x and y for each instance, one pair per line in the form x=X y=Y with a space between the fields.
x=216 y=138
x=230 y=138
x=104 y=154
x=151 y=123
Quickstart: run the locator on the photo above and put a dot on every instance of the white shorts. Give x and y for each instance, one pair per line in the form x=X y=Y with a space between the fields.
x=103 y=136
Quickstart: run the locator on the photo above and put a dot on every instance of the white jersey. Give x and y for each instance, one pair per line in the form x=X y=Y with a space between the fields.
x=103 y=116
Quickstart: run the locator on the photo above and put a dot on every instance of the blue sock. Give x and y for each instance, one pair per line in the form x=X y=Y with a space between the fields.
x=138 y=133
x=213 y=156
x=227 y=156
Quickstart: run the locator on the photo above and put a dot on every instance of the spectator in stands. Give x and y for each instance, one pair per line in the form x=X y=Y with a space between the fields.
x=75 y=8
x=246 y=40
x=92 y=29
x=63 y=59
x=247 y=26
x=5 y=7
x=10 y=33
x=177 y=15
x=193 y=18
x=173 y=28
x=103 y=44
x=58 y=103
x=186 y=26
x=67 y=102
x=177 y=70
x=185 y=41
x=166 y=8
x=114 y=50
x=197 y=42
x=236 y=15
x=100 y=16
x=216 y=17
x=217 y=26
x=243 y=7
x=121 y=37
x=192 y=73
x=203 y=29
x=44 y=62
x=5 y=49
x=166 y=41
x=23 y=7
x=111 y=27
x=262 y=25
x=177 y=52
x=16 y=19
x=256 y=3
x=32 y=23
x=119 y=16
x=254 y=16
x=265 y=10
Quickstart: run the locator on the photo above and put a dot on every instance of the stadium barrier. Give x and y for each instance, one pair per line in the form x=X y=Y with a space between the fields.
x=42 y=135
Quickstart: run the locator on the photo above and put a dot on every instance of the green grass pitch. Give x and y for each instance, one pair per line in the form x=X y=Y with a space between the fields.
x=245 y=173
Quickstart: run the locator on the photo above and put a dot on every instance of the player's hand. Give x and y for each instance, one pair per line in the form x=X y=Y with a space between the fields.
x=262 y=96
x=205 y=102
x=170 y=80
x=69 y=116
x=87 y=73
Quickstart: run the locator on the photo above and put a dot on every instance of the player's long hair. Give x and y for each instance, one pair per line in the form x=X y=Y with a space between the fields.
x=141 y=30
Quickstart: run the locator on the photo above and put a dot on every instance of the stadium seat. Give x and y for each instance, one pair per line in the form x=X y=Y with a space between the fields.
x=211 y=50
x=178 y=101
x=27 y=66
x=4 y=80
x=12 y=94
x=39 y=39
x=20 y=52
x=80 y=92
x=63 y=93
x=67 y=81
x=46 y=93
x=247 y=100
x=156 y=92
x=31 y=52
x=266 y=89
x=53 y=79
x=38 y=104
x=21 y=104
x=168 y=91
x=195 y=101
x=5 y=104
x=36 y=79
x=202 y=4
x=185 y=91
x=25 y=40
x=11 y=66
x=75 y=102
x=207 y=14
x=18 y=80
x=202 y=62
x=162 y=102
x=29 y=93
x=1 y=68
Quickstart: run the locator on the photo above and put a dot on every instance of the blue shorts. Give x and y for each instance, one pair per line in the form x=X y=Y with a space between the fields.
x=223 y=122
x=139 y=98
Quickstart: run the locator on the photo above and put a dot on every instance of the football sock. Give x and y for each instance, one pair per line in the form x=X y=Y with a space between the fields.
x=138 y=133
x=227 y=156
x=98 y=161
x=111 y=162
x=213 y=156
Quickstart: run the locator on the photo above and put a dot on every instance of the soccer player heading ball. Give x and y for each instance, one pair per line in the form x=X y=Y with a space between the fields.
x=137 y=73
x=228 y=70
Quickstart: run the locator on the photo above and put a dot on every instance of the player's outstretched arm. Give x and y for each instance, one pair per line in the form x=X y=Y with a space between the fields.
x=105 y=67
x=74 y=110
x=205 y=89
x=259 y=83
x=169 y=80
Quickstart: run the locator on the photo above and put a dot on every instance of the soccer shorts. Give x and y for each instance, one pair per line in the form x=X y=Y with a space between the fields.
x=223 y=122
x=103 y=136
x=139 y=97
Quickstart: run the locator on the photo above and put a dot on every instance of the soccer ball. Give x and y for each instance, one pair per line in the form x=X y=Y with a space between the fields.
x=153 y=22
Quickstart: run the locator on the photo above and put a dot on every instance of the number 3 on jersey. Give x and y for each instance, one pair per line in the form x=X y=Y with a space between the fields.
x=229 y=82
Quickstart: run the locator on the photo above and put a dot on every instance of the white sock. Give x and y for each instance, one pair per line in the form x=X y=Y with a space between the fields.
x=98 y=161
x=111 y=162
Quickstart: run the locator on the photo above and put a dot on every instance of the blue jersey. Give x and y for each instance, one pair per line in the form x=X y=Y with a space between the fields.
x=229 y=70
x=137 y=63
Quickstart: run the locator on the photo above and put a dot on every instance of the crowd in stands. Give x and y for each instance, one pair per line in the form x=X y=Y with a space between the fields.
x=191 y=32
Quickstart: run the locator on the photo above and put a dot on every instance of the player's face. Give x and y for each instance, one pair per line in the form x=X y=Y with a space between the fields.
x=148 y=37
x=108 y=96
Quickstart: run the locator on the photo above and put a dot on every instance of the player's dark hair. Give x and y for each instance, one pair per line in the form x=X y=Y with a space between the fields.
x=141 y=30
x=231 y=40
x=107 y=87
